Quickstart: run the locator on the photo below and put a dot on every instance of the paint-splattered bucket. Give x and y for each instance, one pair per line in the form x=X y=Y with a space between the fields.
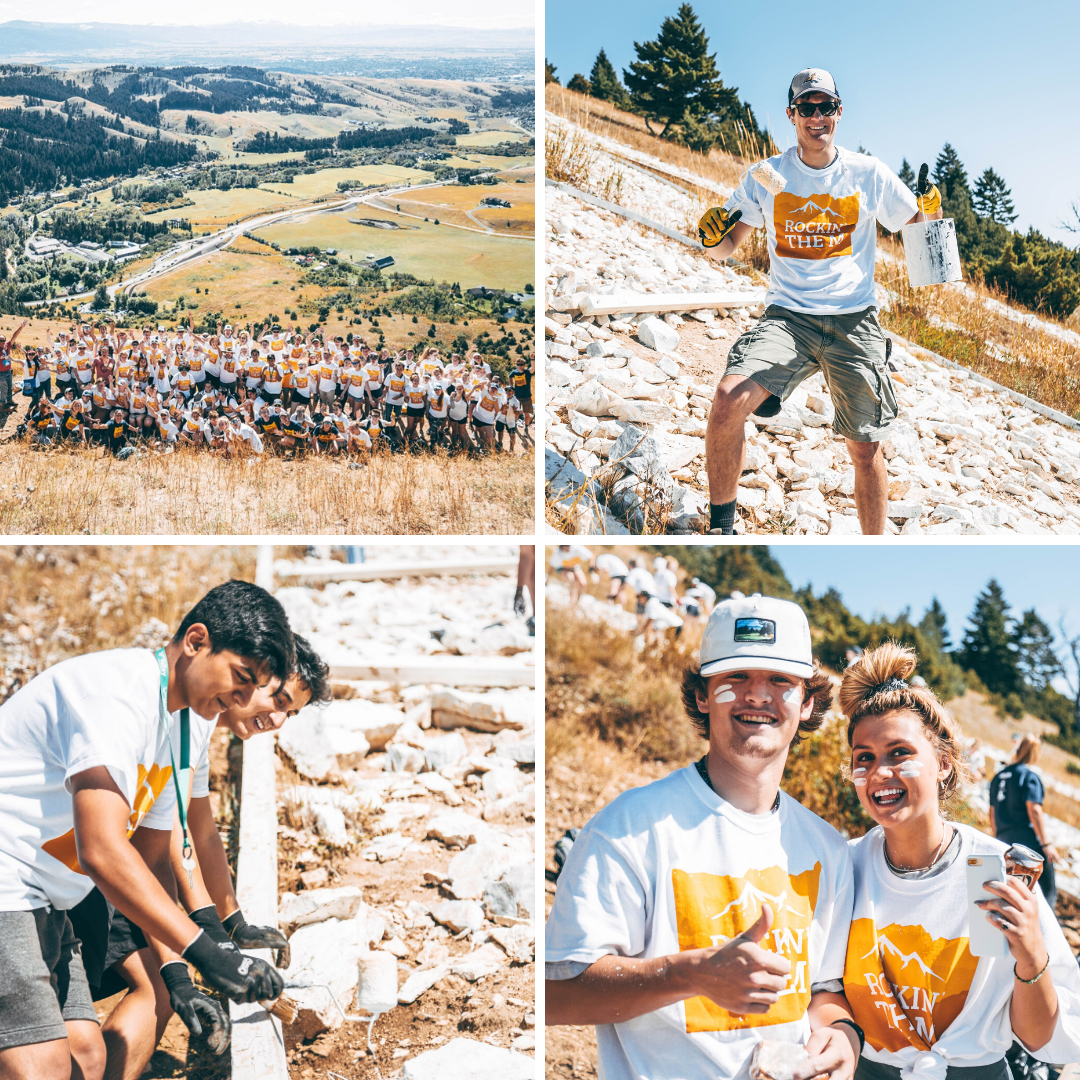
x=378 y=989
x=932 y=255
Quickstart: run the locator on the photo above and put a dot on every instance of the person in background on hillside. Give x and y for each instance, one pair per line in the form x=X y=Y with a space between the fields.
x=6 y=401
x=821 y=311
x=1016 y=810
x=706 y=592
x=927 y=1007
x=664 y=582
x=570 y=562
x=655 y=619
x=697 y=913
x=639 y=579
x=617 y=571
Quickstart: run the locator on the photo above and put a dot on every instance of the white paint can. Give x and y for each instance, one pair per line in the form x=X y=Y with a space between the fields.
x=931 y=252
x=378 y=990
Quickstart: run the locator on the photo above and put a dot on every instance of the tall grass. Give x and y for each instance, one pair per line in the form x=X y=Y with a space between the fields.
x=961 y=326
x=82 y=491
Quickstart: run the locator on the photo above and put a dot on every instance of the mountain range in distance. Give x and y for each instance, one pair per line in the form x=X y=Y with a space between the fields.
x=122 y=43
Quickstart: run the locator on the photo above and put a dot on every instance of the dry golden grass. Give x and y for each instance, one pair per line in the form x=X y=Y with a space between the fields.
x=1021 y=357
x=604 y=119
x=60 y=601
x=82 y=491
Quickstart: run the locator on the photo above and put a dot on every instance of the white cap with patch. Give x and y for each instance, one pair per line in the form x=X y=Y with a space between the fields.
x=812 y=81
x=757 y=633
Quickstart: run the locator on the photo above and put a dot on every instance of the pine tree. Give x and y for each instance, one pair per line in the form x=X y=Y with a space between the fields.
x=604 y=82
x=1036 y=660
x=988 y=648
x=992 y=199
x=675 y=75
x=578 y=83
x=549 y=75
x=950 y=175
x=934 y=624
x=907 y=175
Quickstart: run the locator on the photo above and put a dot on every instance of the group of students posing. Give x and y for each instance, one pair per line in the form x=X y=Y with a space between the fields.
x=234 y=393
x=101 y=835
x=701 y=914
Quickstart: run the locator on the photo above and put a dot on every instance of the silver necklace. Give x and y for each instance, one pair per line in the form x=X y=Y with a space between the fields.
x=915 y=869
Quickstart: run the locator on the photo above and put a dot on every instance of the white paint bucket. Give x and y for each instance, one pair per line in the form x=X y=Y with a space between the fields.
x=378 y=988
x=932 y=255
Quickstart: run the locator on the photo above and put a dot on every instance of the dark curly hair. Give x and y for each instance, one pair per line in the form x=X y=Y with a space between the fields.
x=818 y=687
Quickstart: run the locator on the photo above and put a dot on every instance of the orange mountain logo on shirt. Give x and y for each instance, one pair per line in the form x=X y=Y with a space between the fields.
x=905 y=988
x=150 y=785
x=711 y=909
x=814 y=226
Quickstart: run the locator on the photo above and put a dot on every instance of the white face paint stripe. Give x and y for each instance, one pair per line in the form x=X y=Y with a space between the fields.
x=723 y=694
x=911 y=767
x=858 y=777
x=794 y=695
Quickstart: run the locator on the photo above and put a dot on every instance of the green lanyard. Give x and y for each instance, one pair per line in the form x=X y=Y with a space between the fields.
x=181 y=777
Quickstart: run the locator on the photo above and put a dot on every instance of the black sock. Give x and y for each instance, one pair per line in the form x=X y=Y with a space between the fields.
x=722 y=516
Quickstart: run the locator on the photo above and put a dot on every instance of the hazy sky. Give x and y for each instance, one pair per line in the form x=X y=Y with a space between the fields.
x=875 y=580
x=995 y=79
x=487 y=14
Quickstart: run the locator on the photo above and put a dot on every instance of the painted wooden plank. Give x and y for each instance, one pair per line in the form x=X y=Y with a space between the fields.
x=258 y=1049
x=615 y=303
x=448 y=670
x=375 y=571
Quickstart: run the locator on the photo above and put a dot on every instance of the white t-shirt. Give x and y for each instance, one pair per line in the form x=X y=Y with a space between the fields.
x=670 y=867
x=611 y=565
x=640 y=580
x=666 y=582
x=575 y=555
x=101 y=709
x=822 y=236
x=251 y=437
x=662 y=617
x=914 y=987
x=162 y=814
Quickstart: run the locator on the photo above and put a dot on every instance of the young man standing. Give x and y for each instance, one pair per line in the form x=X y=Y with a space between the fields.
x=821 y=311
x=86 y=751
x=706 y=910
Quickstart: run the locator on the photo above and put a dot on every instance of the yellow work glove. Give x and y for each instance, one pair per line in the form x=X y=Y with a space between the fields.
x=929 y=198
x=715 y=224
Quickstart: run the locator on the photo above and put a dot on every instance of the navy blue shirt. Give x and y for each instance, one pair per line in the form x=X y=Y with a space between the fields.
x=1010 y=792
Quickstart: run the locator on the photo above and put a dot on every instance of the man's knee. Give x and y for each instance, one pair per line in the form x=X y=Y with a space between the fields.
x=735 y=399
x=864 y=454
x=87 y=1049
x=37 y=1061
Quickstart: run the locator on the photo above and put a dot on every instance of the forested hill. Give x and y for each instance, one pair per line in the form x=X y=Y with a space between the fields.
x=41 y=150
x=1011 y=657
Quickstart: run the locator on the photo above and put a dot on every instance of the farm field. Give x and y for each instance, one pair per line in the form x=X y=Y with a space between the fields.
x=325 y=181
x=461 y=206
x=490 y=138
x=427 y=251
x=215 y=209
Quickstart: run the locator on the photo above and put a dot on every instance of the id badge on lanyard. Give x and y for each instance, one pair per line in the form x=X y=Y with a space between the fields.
x=181 y=776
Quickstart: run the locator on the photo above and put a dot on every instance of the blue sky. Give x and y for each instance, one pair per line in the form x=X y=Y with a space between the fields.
x=996 y=80
x=884 y=580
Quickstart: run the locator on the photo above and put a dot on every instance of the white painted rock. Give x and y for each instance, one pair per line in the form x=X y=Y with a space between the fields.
x=458 y=915
x=480 y=963
x=457 y=829
x=592 y=399
x=479 y=712
x=655 y=334
x=469 y=1059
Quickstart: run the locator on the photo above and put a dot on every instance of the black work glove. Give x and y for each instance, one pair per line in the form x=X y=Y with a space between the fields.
x=519 y=601
x=257 y=937
x=928 y=197
x=240 y=977
x=190 y=1005
x=206 y=919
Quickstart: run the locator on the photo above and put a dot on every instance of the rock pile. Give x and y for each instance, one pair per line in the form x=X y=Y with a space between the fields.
x=626 y=414
x=430 y=783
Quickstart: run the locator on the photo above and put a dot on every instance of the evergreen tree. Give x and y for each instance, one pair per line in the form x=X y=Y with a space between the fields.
x=675 y=75
x=1036 y=661
x=907 y=175
x=578 y=83
x=992 y=199
x=950 y=175
x=988 y=648
x=934 y=625
x=549 y=75
x=604 y=82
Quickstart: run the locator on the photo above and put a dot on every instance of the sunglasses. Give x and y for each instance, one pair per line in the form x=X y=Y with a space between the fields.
x=807 y=109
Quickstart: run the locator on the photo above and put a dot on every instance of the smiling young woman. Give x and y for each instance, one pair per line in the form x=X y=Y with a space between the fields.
x=925 y=1003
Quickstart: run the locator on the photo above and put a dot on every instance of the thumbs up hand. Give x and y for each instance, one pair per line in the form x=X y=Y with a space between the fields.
x=741 y=976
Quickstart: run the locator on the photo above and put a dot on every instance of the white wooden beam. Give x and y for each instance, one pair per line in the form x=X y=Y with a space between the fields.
x=448 y=670
x=375 y=571
x=615 y=303
x=258 y=1049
